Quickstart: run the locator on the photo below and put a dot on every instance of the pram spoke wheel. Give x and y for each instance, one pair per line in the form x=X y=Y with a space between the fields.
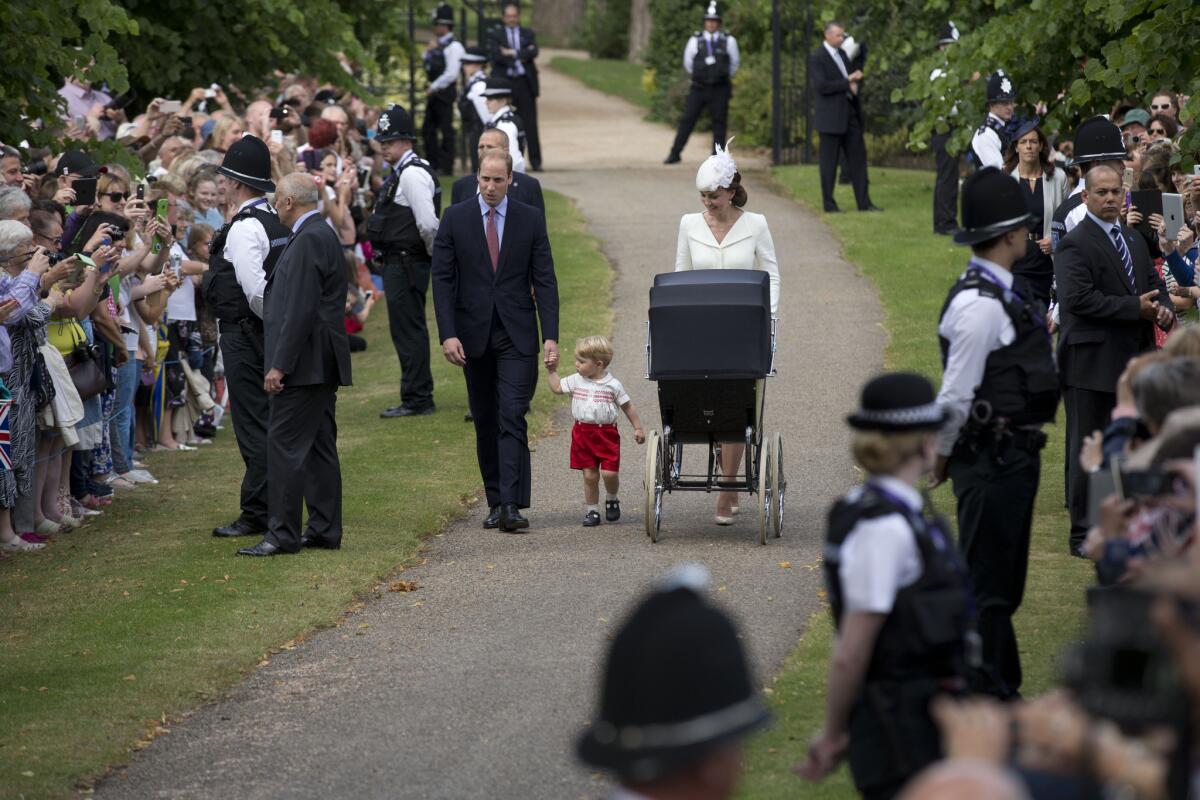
x=778 y=488
x=653 y=485
x=766 y=469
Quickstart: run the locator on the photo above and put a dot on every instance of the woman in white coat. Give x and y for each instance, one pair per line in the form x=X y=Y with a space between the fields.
x=726 y=237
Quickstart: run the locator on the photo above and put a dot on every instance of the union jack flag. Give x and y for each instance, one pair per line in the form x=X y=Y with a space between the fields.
x=5 y=435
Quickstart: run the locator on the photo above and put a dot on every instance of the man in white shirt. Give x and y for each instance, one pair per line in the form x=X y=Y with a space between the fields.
x=497 y=94
x=442 y=61
x=472 y=106
x=241 y=257
x=999 y=386
x=401 y=228
x=711 y=58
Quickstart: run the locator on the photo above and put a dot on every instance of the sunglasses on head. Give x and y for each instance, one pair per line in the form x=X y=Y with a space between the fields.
x=116 y=197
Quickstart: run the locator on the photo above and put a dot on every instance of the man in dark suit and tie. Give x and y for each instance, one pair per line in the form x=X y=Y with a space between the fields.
x=525 y=188
x=493 y=282
x=309 y=357
x=839 y=117
x=1110 y=298
x=513 y=50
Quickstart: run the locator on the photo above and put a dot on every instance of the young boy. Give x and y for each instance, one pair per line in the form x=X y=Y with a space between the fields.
x=596 y=397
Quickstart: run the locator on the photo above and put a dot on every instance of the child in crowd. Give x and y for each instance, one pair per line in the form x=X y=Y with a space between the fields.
x=596 y=398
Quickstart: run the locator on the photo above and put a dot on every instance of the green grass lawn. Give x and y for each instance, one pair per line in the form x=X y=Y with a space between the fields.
x=913 y=269
x=114 y=630
x=608 y=75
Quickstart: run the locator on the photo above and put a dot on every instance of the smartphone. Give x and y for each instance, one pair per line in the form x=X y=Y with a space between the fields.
x=85 y=260
x=141 y=191
x=1196 y=170
x=368 y=294
x=1127 y=179
x=1172 y=214
x=81 y=123
x=161 y=210
x=85 y=191
x=277 y=136
x=170 y=106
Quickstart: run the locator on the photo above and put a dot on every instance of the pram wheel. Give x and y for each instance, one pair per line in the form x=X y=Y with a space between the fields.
x=653 y=484
x=766 y=471
x=778 y=488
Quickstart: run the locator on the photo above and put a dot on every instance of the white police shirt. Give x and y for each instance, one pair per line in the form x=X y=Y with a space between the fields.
x=247 y=247
x=986 y=144
x=879 y=556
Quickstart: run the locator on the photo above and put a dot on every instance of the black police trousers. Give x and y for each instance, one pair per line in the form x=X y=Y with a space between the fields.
x=716 y=100
x=995 y=516
x=892 y=735
x=437 y=131
x=945 y=187
x=406 y=284
x=242 y=354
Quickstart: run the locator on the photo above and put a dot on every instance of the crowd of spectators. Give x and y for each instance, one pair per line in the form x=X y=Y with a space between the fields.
x=106 y=348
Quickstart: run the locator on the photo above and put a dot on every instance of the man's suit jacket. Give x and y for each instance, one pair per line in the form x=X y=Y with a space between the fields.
x=525 y=188
x=304 y=308
x=835 y=102
x=1101 y=327
x=528 y=51
x=521 y=291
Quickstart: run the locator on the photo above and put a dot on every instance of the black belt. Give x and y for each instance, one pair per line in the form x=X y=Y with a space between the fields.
x=246 y=325
x=1027 y=440
x=399 y=255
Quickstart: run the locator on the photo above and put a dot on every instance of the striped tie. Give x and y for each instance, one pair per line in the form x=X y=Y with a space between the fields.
x=1123 y=252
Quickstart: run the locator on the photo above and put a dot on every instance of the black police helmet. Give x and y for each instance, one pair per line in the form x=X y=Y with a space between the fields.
x=248 y=161
x=992 y=205
x=1098 y=139
x=898 y=402
x=1000 y=88
x=395 y=123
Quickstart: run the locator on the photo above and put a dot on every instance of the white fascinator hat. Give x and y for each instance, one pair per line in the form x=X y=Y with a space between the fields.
x=718 y=170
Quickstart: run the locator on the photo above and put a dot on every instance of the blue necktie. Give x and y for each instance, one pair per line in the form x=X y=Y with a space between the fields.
x=1123 y=252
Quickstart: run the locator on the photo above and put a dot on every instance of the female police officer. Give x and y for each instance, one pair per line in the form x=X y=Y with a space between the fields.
x=899 y=598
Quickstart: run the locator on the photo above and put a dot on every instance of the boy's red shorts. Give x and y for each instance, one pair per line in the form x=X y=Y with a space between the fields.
x=595 y=445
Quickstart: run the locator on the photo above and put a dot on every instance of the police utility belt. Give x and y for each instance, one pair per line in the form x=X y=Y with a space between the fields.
x=984 y=430
x=248 y=326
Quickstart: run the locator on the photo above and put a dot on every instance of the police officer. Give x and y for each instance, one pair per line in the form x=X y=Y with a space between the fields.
x=472 y=106
x=242 y=257
x=992 y=138
x=945 y=187
x=899 y=598
x=442 y=61
x=401 y=228
x=677 y=698
x=999 y=386
x=1097 y=141
x=711 y=58
x=498 y=94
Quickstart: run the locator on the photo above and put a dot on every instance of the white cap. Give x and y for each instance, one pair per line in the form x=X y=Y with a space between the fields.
x=717 y=171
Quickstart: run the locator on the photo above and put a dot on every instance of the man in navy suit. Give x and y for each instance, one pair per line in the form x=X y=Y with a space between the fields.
x=493 y=282
x=308 y=357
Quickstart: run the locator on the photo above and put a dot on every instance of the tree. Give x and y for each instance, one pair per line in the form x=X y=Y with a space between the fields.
x=1078 y=58
x=557 y=20
x=41 y=41
x=639 y=29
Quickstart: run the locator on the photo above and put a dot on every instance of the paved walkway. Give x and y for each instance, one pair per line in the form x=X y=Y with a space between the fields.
x=477 y=685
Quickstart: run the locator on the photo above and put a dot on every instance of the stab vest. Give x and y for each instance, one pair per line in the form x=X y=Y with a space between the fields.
x=466 y=108
x=924 y=636
x=1058 y=224
x=1001 y=130
x=715 y=74
x=511 y=116
x=435 y=64
x=222 y=292
x=392 y=227
x=1020 y=380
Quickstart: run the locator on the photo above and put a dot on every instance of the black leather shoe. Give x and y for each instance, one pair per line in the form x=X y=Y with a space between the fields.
x=832 y=210
x=492 y=520
x=511 y=519
x=239 y=527
x=468 y=418
x=870 y=207
x=591 y=519
x=311 y=540
x=612 y=510
x=407 y=411
x=672 y=159
x=263 y=548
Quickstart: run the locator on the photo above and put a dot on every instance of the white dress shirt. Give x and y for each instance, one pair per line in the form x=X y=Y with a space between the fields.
x=692 y=48
x=247 y=247
x=879 y=556
x=986 y=144
x=975 y=326
x=514 y=143
x=416 y=192
x=452 y=51
x=747 y=245
x=836 y=55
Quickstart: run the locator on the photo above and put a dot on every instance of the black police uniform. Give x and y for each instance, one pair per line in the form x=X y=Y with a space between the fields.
x=242 y=353
x=921 y=650
x=514 y=118
x=394 y=235
x=999 y=89
x=945 y=187
x=472 y=124
x=711 y=87
x=437 y=128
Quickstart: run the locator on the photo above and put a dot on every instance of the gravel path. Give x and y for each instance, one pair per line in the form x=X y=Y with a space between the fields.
x=476 y=685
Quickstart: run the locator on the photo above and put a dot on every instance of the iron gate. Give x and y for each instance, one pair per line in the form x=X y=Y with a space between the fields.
x=791 y=98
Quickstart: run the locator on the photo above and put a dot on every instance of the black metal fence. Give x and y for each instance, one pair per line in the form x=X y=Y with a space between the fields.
x=791 y=99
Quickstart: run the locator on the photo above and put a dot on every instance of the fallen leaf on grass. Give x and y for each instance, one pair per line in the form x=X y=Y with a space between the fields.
x=27 y=773
x=403 y=586
x=785 y=565
x=129 y=678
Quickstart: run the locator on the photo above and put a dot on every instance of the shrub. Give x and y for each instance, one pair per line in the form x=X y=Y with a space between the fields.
x=606 y=29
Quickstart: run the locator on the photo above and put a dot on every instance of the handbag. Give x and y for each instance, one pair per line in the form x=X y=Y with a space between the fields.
x=89 y=377
x=41 y=385
x=6 y=404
